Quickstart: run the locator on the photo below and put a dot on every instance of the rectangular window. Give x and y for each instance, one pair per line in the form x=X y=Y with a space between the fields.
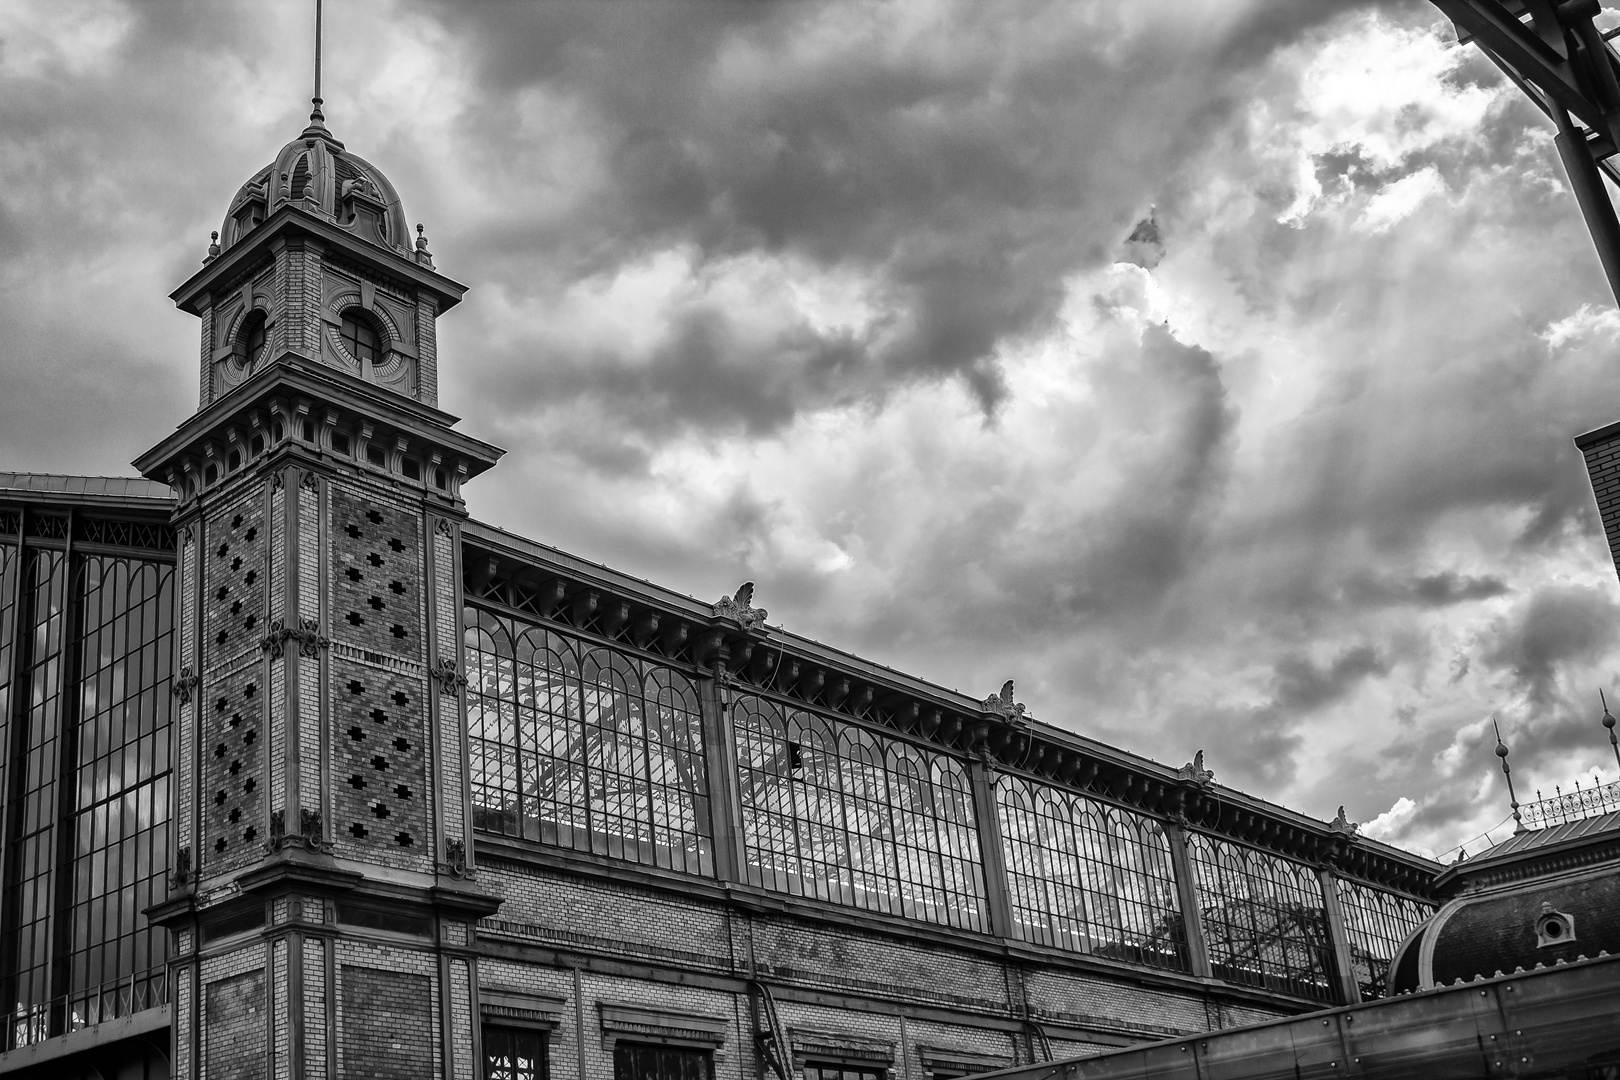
x=642 y=1061
x=89 y=787
x=514 y=1054
x=822 y=1071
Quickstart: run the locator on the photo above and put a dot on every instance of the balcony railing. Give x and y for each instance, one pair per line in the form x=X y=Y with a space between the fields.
x=1567 y=806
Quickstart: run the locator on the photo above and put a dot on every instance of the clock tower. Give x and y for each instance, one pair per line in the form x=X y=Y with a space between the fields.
x=323 y=896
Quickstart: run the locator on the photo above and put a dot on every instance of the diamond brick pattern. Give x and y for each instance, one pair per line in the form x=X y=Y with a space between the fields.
x=379 y=767
x=233 y=753
x=377 y=576
x=235 y=582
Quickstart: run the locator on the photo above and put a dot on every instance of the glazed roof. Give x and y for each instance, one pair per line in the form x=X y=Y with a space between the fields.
x=129 y=487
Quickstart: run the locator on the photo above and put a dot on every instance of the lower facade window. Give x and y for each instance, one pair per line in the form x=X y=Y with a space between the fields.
x=646 y=1061
x=514 y=1054
x=824 y=1071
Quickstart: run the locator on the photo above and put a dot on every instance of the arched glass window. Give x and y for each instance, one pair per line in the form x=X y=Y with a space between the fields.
x=835 y=812
x=250 y=340
x=1089 y=877
x=1263 y=919
x=584 y=748
x=361 y=337
x=1376 y=923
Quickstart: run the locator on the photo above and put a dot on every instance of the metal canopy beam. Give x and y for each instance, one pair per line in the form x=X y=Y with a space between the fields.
x=1554 y=53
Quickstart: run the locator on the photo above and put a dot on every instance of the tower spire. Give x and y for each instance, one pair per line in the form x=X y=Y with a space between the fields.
x=315 y=114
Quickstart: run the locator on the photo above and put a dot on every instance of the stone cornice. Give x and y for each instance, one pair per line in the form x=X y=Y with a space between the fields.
x=289 y=221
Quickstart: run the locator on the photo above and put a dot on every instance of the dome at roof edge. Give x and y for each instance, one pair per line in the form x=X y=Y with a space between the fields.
x=316 y=172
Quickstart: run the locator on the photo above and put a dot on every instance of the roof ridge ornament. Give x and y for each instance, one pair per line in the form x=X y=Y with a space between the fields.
x=1004 y=706
x=1194 y=770
x=1342 y=824
x=740 y=608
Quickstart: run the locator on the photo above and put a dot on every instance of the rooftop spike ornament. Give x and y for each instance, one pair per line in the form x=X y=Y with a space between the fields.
x=1608 y=722
x=1513 y=800
x=316 y=117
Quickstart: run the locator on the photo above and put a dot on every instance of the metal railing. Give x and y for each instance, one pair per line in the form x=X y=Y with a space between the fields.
x=28 y=1024
x=1567 y=806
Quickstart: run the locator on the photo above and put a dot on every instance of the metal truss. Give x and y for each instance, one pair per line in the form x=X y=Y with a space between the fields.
x=1567 y=67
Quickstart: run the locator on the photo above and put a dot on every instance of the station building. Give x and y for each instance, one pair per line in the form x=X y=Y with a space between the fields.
x=304 y=773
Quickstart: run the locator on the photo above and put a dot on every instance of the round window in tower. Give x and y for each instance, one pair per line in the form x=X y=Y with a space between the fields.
x=361 y=338
x=250 y=341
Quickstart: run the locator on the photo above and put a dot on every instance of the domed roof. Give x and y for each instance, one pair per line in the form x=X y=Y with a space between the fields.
x=317 y=173
x=1539 y=899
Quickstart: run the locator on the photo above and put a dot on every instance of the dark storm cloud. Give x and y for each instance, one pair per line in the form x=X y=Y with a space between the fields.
x=967 y=164
x=1556 y=625
x=1427 y=590
x=1257 y=747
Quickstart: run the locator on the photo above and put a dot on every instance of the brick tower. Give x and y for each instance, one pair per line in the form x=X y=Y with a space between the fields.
x=322 y=901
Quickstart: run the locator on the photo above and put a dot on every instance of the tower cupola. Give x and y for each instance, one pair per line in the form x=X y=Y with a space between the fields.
x=315 y=260
x=317 y=173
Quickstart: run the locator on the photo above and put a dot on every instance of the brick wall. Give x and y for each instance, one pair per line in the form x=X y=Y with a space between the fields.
x=1112 y=1005
x=542 y=905
x=385 y=1014
x=234 y=1034
x=792 y=951
x=1603 y=467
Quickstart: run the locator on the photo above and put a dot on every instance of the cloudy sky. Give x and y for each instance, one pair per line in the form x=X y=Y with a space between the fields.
x=837 y=295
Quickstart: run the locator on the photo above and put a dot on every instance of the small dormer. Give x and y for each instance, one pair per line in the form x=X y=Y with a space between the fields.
x=360 y=205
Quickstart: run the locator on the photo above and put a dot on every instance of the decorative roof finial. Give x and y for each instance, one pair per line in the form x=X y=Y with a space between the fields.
x=423 y=255
x=1004 y=706
x=740 y=608
x=213 y=247
x=1513 y=800
x=315 y=115
x=1608 y=722
x=1194 y=770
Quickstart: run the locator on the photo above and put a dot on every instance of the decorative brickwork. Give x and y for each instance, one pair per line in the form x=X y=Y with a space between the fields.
x=379 y=766
x=1603 y=467
x=234 y=1040
x=281 y=1024
x=377 y=575
x=427 y=364
x=314 y=1006
x=184 y=1013
x=233 y=745
x=451 y=726
x=236 y=580
x=386 y=1018
x=186 y=725
x=461 y=1041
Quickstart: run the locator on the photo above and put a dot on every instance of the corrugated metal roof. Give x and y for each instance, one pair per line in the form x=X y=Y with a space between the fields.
x=127 y=487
